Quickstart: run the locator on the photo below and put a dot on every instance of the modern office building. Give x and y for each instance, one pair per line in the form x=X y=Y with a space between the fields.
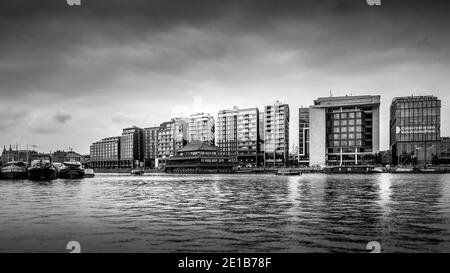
x=238 y=135
x=415 y=130
x=344 y=130
x=201 y=128
x=105 y=153
x=150 y=146
x=172 y=136
x=131 y=147
x=276 y=135
x=444 y=157
x=303 y=136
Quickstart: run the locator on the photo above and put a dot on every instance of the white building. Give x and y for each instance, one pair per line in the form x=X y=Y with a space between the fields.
x=201 y=127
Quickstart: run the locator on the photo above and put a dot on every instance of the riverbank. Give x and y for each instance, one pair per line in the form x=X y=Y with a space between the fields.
x=328 y=170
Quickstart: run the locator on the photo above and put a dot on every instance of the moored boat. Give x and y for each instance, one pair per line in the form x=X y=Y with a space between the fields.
x=89 y=173
x=288 y=172
x=14 y=170
x=137 y=171
x=71 y=170
x=404 y=170
x=349 y=169
x=431 y=170
x=42 y=170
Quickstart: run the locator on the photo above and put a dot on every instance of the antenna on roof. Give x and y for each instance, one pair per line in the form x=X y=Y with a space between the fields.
x=331 y=94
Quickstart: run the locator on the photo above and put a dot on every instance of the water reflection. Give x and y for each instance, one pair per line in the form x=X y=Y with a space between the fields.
x=241 y=213
x=418 y=222
x=385 y=183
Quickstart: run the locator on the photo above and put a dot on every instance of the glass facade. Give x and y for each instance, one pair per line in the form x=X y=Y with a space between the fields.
x=303 y=136
x=150 y=146
x=415 y=130
x=444 y=157
x=349 y=135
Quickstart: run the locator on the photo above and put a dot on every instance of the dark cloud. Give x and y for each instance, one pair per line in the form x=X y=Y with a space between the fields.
x=104 y=57
x=52 y=48
x=62 y=117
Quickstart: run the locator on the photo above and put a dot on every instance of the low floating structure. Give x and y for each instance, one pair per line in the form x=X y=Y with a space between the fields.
x=288 y=171
x=199 y=157
x=14 y=170
x=349 y=169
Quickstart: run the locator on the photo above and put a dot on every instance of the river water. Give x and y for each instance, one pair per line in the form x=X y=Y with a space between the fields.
x=228 y=213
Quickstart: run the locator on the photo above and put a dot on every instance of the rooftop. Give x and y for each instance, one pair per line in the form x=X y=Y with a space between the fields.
x=414 y=98
x=347 y=101
x=198 y=146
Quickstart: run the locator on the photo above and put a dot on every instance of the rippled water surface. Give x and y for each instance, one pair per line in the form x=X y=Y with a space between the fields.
x=239 y=213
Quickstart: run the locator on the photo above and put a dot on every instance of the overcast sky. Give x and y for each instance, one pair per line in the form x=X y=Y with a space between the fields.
x=70 y=76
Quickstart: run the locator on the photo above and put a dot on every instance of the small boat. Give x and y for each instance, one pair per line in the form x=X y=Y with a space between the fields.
x=137 y=172
x=42 y=170
x=288 y=172
x=89 y=173
x=404 y=170
x=378 y=170
x=14 y=170
x=71 y=170
x=431 y=170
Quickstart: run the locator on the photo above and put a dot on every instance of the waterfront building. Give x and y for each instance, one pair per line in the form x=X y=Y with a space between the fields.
x=238 y=135
x=131 y=147
x=105 y=153
x=294 y=156
x=344 y=130
x=303 y=136
x=444 y=157
x=201 y=127
x=150 y=146
x=276 y=135
x=11 y=154
x=199 y=157
x=227 y=132
x=415 y=130
x=172 y=136
x=58 y=156
x=260 y=157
